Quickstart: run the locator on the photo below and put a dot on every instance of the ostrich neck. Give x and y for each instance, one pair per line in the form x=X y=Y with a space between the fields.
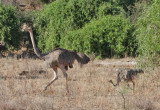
x=36 y=51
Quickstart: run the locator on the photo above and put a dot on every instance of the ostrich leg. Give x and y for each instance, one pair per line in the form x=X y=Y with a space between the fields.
x=54 y=78
x=65 y=75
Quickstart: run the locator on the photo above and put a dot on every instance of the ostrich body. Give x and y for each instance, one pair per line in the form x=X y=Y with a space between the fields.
x=127 y=75
x=58 y=58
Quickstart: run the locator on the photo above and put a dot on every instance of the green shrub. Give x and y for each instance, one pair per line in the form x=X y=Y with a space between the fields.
x=136 y=10
x=105 y=37
x=148 y=36
x=47 y=1
x=62 y=16
x=9 y=28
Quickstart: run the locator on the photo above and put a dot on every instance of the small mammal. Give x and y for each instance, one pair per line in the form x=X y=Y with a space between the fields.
x=127 y=75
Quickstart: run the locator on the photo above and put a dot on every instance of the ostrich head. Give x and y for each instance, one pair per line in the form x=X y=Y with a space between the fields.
x=84 y=58
x=25 y=27
x=139 y=71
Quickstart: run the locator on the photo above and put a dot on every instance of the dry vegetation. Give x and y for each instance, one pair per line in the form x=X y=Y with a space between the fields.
x=22 y=81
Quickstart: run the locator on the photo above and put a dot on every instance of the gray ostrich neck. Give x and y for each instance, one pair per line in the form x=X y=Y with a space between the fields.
x=79 y=59
x=34 y=45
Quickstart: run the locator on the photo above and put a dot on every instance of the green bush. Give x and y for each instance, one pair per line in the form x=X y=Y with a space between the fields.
x=108 y=36
x=148 y=36
x=47 y=1
x=62 y=16
x=9 y=28
x=136 y=10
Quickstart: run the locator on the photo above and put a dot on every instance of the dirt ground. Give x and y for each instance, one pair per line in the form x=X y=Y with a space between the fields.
x=22 y=82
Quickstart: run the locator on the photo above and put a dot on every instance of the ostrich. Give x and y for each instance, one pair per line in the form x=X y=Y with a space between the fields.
x=127 y=75
x=57 y=58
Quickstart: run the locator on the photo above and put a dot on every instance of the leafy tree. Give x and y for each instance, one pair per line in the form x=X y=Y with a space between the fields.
x=135 y=10
x=60 y=17
x=47 y=1
x=107 y=36
x=148 y=36
x=126 y=3
x=9 y=28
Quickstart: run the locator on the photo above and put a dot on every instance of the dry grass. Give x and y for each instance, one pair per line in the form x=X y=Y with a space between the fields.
x=89 y=87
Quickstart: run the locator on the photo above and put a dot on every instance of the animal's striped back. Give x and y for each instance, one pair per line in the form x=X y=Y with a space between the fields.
x=127 y=73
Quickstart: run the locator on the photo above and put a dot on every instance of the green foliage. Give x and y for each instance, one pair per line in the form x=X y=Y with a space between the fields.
x=9 y=29
x=63 y=16
x=47 y=1
x=136 y=10
x=27 y=17
x=105 y=37
x=126 y=3
x=148 y=36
